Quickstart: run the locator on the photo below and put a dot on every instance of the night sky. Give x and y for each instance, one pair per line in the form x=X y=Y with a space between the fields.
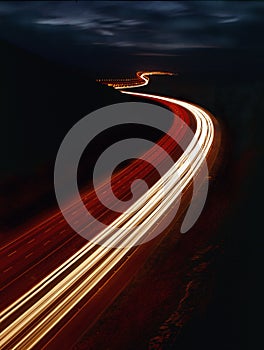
x=118 y=37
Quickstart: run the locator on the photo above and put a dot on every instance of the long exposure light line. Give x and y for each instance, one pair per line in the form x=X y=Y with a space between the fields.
x=127 y=229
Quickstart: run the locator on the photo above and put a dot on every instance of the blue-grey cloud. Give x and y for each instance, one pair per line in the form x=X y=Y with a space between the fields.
x=141 y=26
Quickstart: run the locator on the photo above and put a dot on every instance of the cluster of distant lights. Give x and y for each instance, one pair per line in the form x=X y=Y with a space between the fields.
x=142 y=79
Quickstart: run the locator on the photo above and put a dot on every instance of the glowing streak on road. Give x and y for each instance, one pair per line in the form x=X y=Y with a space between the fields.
x=31 y=325
x=142 y=76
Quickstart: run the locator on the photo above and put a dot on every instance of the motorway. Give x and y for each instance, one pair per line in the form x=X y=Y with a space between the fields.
x=67 y=268
x=142 y=79
x=52 y=240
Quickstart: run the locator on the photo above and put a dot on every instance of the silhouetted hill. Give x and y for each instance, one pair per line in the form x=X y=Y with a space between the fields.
x=39 y=102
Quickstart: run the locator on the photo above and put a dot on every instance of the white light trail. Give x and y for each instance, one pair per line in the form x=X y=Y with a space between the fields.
x=70 y=289
x=141 y=76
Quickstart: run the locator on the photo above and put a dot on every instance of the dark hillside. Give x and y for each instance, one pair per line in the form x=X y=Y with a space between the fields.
x=39 y=102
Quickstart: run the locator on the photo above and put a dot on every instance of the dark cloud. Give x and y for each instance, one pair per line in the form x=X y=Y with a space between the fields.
x=162 y=28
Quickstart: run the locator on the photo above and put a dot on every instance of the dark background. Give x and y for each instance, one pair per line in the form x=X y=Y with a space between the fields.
x=52 y=52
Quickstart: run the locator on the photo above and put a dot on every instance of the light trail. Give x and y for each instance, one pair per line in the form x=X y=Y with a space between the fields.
x=27 y=327
x=142 y=80
x=54 y=218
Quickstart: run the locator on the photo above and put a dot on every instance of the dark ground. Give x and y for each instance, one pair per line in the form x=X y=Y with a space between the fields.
x=231 y=320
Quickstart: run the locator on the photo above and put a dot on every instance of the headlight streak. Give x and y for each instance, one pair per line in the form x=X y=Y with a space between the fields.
x=145 y=212
x=129 y=85
x=143 y=76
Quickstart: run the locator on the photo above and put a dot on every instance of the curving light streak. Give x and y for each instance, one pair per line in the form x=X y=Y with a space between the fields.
x=26 y=330
x=143 y=79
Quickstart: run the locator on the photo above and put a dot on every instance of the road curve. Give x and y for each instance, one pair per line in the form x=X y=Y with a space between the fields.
x=31 y=256
x=32 y=316
x=142 y=79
